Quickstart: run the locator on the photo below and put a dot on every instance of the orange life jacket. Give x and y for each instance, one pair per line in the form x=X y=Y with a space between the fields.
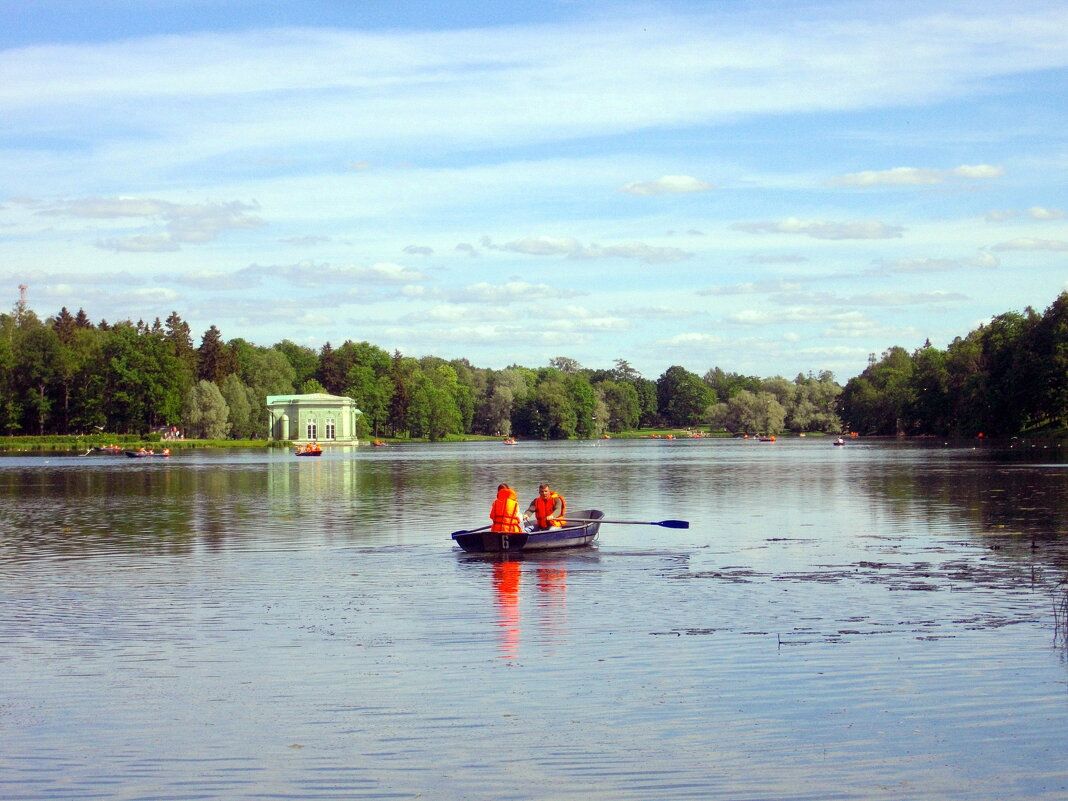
x=543 y=507
x=505 y=513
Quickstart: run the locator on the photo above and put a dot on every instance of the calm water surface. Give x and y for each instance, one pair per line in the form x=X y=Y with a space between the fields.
x=874 y=621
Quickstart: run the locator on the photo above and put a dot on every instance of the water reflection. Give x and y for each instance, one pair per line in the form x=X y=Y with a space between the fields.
x=530 y=588
x=875 y=621
x=506 y=577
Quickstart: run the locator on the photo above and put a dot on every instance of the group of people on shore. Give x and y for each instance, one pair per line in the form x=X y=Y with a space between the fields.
x=547 y=511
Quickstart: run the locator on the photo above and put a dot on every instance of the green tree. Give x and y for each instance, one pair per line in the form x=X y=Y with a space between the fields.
x=236 y=395
x=1049 y=344
x=750 y=413
x=302 y=359
x=815 y=404
x=1011 y=372
x=143 y=387
x=205 y=414
x=64 y=325
x=621 y=405
x=10 y=403
x=647 y=399
x=930 y=410
x=37 y=351
x=877 y=401
x=682 y=397
x=331 y=372
x=215 y=360
x=263 y=371
x=402 y=371
x=180 y=335
x=82 y=380
x=312 y=387
x=556 y=413
x=584 y=403
x=373 y=394
x=724 y=384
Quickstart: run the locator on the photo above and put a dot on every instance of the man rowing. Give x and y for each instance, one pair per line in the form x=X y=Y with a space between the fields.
x=547 y=509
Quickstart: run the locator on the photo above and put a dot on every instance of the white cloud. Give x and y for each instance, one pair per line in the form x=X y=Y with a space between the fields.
x=1040 y=213
x=140 y=243
x=777 y=258
x=1001 y=215
x=921 y=266
x=211 y=279
x=750 y=287
x=511 y=292
x=184 y=223
x=305 y=241
x=693 y=338
x=1032 y=244
x=151 y=295
x=311 y=274
x=667 y=185
x=916 y=176
x=1035 y=213
x=889 y=299
x=573 y=249
x=865 y=229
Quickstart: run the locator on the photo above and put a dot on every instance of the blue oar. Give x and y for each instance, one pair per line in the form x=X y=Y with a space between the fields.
x=664 y=523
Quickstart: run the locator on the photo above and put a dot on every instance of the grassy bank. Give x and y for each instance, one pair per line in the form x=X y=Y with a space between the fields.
x=80 y=444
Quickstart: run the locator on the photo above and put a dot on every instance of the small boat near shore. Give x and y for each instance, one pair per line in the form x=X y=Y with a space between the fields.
x=577 y=534
x=148 y=454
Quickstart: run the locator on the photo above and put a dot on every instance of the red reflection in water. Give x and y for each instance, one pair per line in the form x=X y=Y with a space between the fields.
x=506 y=584
x=551 y=583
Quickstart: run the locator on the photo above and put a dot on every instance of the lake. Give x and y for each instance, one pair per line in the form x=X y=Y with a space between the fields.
x=883 y=620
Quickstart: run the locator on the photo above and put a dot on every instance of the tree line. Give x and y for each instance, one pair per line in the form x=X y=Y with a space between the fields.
x=1007 y=377
x=68 y=375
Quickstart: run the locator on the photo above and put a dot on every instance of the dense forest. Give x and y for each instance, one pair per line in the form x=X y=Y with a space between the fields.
x=1007 y=377
x=67 y=375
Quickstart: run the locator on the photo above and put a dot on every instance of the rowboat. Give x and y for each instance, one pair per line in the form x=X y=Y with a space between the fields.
x=578 y=534
x=146 y=454
x=308 y=452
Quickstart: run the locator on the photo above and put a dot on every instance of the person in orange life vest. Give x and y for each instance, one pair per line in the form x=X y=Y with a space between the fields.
x=547 y=509
x=505 y=512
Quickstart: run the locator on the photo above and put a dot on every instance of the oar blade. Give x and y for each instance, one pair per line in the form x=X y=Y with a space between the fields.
x=664 y=523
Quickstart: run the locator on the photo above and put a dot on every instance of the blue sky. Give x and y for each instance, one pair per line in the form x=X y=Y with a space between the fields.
x=771 y=188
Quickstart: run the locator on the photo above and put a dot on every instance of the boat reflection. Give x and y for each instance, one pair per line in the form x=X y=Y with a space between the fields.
x=506 y=577
x=548 y=606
